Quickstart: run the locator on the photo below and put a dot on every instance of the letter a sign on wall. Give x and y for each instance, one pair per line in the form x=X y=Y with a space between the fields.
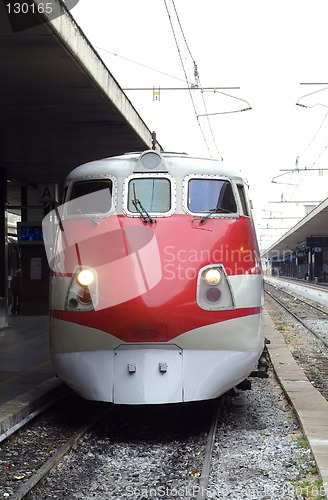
x=48 y=193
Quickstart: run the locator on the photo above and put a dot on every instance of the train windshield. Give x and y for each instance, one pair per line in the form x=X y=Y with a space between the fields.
x=153 y=193
x=90 y=197
x=211 y=195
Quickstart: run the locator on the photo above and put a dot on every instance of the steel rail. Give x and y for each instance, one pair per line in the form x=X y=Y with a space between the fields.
x=27 y=487
x=27 y=419
x=298 y=319
x=298 y=298
x=205 y=474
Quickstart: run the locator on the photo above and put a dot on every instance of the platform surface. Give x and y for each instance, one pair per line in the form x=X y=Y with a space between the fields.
x=24 y=355
x=310 y=406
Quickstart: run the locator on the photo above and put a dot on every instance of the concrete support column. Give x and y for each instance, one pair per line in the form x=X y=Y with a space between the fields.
x=3 y=249
x=24 y=204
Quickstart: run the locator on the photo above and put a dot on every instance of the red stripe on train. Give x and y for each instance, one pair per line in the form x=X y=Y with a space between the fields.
x=129 y=326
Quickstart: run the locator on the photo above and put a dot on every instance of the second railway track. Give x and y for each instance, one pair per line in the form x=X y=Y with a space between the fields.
x=312 y=316
x=304 y=326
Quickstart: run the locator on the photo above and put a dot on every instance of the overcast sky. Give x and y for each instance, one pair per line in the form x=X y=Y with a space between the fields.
x=267 y=48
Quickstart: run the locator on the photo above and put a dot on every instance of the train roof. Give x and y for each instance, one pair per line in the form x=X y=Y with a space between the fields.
x=180 y=164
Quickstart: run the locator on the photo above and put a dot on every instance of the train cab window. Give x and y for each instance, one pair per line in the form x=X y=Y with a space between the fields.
x=99 y=201
x=210 y=195
x=150 y=193
x=243 y=201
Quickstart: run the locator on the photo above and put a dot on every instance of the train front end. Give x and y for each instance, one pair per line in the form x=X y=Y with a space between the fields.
x=156 y=286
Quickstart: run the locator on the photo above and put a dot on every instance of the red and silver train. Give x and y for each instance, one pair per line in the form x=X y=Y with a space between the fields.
x=156 y=287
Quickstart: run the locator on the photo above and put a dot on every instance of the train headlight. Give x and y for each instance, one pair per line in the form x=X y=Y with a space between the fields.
x=150 y=160
x=212 y=276
x=85 y=277
x=82 y=293
x=214 y=291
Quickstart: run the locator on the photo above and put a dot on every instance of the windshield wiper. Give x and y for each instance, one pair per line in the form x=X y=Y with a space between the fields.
x=214 y=211
x=88 y=218
x=138 y=206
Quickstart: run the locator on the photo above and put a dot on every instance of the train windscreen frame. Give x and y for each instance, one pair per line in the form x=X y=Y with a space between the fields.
x=153 y=193
x=82 y=198
x=210 y=195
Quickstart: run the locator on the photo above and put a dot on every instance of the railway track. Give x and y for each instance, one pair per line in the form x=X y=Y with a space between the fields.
x=147 y=452
x=311 y=315
x=33 y=447
x=59 y=438
x=203 y=486
x=195 y=450
x=307 y=337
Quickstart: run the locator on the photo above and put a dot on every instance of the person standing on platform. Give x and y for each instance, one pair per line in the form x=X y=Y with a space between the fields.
x=16 y=292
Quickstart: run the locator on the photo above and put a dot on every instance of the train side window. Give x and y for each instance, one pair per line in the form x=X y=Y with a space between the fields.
x=154 y=193
x=242 y=196
x=206 y=195
x=101 y=203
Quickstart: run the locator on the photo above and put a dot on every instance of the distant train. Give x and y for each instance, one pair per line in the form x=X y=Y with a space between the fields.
x=156 y=290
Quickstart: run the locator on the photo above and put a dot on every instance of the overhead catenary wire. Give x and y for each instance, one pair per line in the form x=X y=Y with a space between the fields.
x=214 y=89
x=311 y=93
x=196 y=75
x=204 y=89
x=313 y=138
x=317 y=131
x=197 y=83
x=248 y=106
x=298 y=175
x=311 y=168
x=195 y=88
x=141 y=64
x=322 y=151
x=190 y=84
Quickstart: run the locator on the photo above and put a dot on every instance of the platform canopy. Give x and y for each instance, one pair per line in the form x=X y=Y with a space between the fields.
x=313 y=224
x=59 y=104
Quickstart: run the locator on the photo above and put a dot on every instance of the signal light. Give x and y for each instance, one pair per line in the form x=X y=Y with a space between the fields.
x=213 y=294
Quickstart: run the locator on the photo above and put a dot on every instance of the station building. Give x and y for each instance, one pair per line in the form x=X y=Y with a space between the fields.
x=302 y=252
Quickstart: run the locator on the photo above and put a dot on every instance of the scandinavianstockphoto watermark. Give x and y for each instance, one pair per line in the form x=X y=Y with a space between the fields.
x=285 y=492
x=252 y=492
x=181 y=263
x=26 y=14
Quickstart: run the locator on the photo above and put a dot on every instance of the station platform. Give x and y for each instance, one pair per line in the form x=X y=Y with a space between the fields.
x=27 y=378
x=309 y=405
x=24 y=355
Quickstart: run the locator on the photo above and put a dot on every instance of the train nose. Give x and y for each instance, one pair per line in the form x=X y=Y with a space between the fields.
x=148 y=375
